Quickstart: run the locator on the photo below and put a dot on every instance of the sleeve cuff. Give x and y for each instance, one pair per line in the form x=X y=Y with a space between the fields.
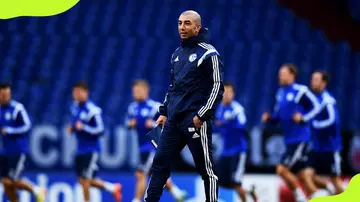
x=8 y=130
x=162 y=110
x=201 y=118
x=302 y=121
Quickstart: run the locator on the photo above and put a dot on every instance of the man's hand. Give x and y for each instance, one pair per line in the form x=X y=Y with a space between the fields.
x=132 y=123
x=149 y=123
x=197 y=122
x=298 y=117
x=3 y=131
x=265 y=117
x=70 y=129
x=78 y=125
x=161 y=120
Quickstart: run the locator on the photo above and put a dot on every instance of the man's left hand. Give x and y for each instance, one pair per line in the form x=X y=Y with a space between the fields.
x=197 y=122
x=78 y=125
x=298 y=117
x=149 y=123
x=3 y=131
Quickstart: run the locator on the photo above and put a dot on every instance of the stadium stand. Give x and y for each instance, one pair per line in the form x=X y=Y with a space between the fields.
x=111 y=43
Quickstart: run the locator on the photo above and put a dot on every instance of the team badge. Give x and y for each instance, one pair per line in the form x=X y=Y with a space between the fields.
x=145 y=112
x=7 y=116
x=192 y=57
x=83 y=115
x=290 y=96
x=227 y=115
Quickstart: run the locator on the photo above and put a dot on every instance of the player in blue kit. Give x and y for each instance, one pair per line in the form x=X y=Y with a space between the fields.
x=87 y=125
x=230 y=121
x=15 y=125
x=296 y=106
x=326 y=139
x=142 y=114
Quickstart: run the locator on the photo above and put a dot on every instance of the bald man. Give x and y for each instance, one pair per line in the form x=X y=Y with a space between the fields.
x=188 y=110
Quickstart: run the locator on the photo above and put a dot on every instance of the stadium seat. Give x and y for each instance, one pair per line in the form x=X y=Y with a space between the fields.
x=112 y=43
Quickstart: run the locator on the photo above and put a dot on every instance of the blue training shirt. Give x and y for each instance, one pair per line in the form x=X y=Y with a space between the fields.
x=17 y=124
x=326 y=125
x=88 y=139
x=142 y=111
x=232 y=121
x=289 y=100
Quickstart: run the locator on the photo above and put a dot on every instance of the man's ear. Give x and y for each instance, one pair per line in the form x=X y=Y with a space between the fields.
x=198 y=27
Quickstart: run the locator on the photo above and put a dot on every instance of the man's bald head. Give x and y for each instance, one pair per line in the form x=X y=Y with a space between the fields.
x=193 y=15
x=189 y=24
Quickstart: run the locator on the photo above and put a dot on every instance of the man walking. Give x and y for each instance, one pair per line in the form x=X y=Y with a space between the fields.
x=188 y=111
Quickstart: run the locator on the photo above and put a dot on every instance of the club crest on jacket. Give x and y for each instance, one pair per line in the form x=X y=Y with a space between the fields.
x=192 y=57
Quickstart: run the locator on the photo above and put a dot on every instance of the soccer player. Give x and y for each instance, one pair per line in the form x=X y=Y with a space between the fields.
x=188 y=111
x=295 y=108
x=15 y=125
x=141 y=114
x=87 y=125
x=231 y=120
x=326 y=140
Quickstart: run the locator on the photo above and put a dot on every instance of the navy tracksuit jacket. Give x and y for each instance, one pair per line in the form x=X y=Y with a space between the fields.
x=196 y=89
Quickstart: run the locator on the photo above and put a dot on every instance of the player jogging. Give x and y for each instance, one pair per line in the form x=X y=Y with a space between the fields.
x=326 y=140
x=141 y=117
x=231 y=120
x=189 y=107
x=15 y=125
x=87 y=125
x=295 y=108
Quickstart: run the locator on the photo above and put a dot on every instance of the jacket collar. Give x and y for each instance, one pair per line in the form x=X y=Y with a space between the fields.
x=203 y=36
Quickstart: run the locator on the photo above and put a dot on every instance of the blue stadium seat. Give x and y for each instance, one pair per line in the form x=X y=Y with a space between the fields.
x=112 y=43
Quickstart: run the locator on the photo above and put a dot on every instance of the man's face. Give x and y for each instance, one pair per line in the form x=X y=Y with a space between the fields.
x=285 y=77
x=140 y=92
x=80 y=94
x=317 y=84
x=188 y=27
x=228 y=96
x=5 y=95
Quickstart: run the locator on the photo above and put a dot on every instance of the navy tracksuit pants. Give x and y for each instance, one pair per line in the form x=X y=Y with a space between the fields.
x=175 y=136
